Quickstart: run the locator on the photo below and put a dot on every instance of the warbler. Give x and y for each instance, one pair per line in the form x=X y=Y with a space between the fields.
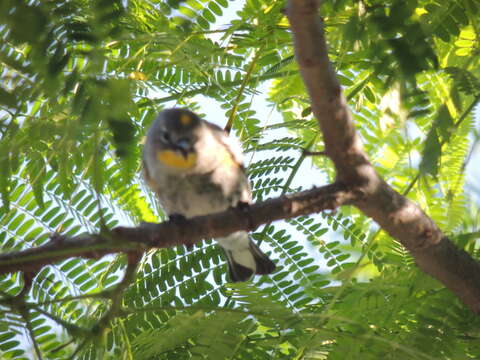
x=195 y=169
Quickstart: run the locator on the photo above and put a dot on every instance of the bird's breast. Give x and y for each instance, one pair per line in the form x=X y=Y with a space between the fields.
x=176 y=160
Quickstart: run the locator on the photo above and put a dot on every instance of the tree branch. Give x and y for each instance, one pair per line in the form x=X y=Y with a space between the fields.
x=357 y=183
x=168 y=234
x=434 y=253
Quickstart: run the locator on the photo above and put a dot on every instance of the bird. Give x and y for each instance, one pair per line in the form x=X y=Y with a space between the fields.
x=195 y=168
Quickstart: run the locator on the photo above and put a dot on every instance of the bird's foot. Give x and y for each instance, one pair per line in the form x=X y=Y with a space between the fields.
x=179 y=220
x=244 y=207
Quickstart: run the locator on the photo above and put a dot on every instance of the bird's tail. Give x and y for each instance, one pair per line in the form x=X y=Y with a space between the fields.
x=247 y=260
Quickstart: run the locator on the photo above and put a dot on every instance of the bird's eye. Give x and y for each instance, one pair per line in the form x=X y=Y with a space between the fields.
x=164 y=136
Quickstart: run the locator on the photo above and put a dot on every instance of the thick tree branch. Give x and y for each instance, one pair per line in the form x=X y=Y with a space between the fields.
x=401 y=218
x=168 y=234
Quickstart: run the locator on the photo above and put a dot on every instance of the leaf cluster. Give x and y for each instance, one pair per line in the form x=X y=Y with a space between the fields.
x=83 y=79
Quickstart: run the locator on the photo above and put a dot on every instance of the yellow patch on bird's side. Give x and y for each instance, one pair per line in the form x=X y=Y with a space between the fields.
x=185 y=119
x=176 y=160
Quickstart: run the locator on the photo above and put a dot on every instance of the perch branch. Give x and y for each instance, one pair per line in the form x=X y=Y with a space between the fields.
x=168 y=234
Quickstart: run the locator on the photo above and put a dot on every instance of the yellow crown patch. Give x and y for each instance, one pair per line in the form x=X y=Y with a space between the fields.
x=176 y=160
x=185 y=119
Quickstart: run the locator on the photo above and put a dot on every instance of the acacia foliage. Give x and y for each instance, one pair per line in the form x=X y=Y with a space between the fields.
x=82 y=80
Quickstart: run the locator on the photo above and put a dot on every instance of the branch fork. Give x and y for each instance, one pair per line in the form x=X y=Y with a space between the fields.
x=434 y=253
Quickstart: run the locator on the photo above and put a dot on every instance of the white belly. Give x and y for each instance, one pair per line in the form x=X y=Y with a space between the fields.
x=194 y=196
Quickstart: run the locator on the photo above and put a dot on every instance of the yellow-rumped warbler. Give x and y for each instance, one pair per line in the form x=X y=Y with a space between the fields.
x=197 y=169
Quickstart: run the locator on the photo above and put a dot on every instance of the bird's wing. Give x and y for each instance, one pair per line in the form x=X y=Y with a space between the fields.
x=146 y=176
x=234 y=158
x=231 y=144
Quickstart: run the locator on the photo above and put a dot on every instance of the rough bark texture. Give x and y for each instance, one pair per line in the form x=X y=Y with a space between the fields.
x=170 y=233
x=434 y=253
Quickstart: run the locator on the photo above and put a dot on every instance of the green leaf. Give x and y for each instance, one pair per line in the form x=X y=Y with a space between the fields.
x=8 y=98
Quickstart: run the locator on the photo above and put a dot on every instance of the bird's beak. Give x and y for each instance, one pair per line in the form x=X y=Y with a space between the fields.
x=184 y=146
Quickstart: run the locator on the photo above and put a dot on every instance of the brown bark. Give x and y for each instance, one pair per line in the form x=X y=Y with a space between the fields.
x=168 y=234
x=434 y=253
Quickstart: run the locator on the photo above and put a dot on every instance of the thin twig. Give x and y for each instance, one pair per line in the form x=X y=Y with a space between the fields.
x=313 y=153
x=77 y=350
x=60 y=347
x=28 y=324
x=74 y=330
x=102 y=294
